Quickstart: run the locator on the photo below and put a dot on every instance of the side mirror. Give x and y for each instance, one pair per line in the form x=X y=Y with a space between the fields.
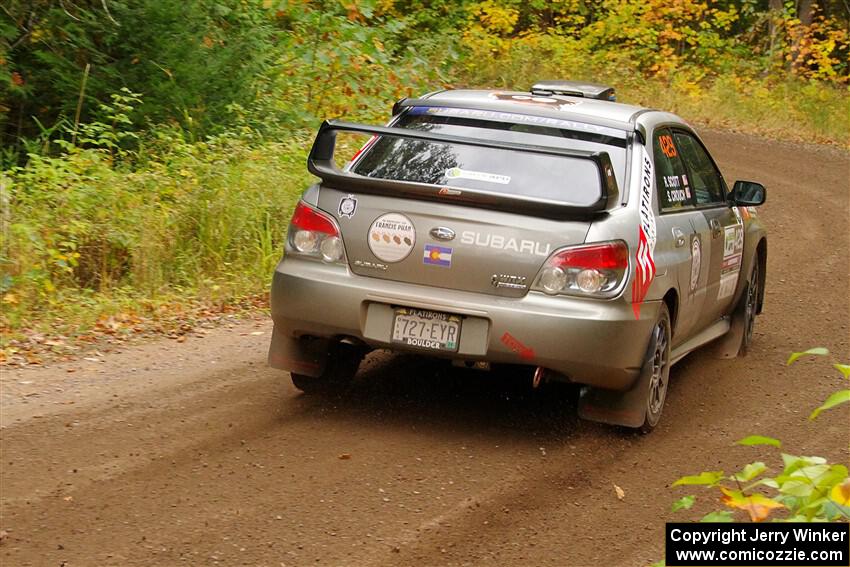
x=748 y=194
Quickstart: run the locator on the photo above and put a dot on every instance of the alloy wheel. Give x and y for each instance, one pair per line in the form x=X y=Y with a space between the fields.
x=660 y=370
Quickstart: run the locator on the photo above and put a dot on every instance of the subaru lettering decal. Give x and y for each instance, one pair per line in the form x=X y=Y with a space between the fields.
x=499 y=242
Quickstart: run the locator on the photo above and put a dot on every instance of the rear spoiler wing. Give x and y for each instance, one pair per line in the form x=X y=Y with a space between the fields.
x=320 y=162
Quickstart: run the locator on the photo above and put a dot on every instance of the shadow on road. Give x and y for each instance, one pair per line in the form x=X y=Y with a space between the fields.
x=401 y=390
x=393 y=390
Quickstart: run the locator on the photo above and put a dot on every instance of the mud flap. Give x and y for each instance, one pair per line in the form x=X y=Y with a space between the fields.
x=618 y=407
x=729 y=345
x=627 y=408
x=302 y=356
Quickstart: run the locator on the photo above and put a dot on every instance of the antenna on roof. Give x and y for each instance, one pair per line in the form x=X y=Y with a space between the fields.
x=574 y=88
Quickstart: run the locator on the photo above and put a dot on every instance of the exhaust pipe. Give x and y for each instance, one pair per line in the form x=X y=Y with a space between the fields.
x=538 y=377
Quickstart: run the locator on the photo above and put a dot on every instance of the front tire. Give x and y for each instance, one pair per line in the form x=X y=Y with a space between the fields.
x=749 y=309
x=657 y=367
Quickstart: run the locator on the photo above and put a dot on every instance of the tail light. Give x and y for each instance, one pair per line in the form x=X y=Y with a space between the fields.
x=315 y=234
x=590 y=270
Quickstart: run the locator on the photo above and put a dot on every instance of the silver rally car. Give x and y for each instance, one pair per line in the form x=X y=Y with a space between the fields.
x=594 y=242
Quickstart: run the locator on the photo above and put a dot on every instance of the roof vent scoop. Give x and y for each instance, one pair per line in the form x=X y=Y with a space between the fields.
x=574 y=88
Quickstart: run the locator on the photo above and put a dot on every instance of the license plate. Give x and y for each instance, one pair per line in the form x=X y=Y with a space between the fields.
x=426 y=329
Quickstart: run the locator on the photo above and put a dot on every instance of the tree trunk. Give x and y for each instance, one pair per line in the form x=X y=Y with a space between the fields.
x=805 y=11
x=774 y=13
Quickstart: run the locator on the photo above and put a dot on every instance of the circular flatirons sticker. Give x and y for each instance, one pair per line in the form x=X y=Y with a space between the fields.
x=391 y=237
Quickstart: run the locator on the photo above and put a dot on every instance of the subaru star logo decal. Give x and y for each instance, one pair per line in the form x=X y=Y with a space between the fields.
x=442 y=233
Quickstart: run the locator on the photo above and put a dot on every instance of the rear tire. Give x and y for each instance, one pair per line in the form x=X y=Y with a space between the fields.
x=657 y=367
x=342 y=365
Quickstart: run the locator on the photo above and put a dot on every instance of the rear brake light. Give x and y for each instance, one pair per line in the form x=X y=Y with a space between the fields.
x=315 y=234
x=595 y=270
x=605 y=256
x=308 y=218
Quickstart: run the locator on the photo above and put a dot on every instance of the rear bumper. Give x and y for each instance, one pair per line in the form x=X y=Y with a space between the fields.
x=599 y=343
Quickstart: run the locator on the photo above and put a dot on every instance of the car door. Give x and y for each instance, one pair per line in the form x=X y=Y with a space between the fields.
x=686 y=238
x=726 y=229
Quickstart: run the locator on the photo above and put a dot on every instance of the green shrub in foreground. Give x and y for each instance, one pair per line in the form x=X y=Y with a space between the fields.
x=202 y=219
x=808 y=489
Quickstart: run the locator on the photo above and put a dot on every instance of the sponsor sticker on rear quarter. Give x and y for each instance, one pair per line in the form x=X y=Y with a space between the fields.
x=391 y=237
x=733 y=248
x=347 y=206
x=696 y=261
x=645 y=253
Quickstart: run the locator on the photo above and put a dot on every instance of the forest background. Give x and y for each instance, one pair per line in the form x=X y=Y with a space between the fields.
x=153 y=150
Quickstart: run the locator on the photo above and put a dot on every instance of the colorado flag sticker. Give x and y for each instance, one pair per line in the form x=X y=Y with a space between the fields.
x=437 y=256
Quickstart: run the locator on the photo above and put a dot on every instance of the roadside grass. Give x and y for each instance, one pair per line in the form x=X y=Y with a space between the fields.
x=89 y=233
x=780 y=109
x=86 y=238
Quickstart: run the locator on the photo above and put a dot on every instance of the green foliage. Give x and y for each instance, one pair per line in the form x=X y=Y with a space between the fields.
x=818 y=351
x=190 y=59
x=750 y=471
x=807 y=489
x=210 y=65
x=702 y=479
x=660 y=38
x=719 y=516
x=683 y=503
x=345 y=62
x=837 y=398
x=204 y=218
x=738 y=95
x=113 y=128
x=759 y=440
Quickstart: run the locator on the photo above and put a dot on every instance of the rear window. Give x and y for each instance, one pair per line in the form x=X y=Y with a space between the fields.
x=556 y=178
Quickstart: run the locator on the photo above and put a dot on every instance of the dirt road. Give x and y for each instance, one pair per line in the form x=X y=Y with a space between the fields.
x=198 y=454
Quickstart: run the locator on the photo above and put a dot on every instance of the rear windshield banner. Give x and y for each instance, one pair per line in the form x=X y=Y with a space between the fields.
x=517 y=118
